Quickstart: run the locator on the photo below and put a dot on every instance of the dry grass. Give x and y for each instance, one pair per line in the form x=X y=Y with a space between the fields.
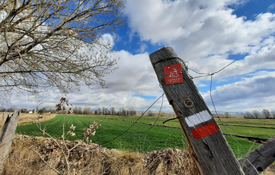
x=86 y=160
x=90 y=161
x=26 y=118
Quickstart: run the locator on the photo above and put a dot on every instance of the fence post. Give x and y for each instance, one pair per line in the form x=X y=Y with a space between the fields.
x=210 y=150
x=259 y=159
x=6 y=137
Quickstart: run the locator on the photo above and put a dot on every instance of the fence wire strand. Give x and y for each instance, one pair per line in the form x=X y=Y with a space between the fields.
x=112 y=140
x=211 y=97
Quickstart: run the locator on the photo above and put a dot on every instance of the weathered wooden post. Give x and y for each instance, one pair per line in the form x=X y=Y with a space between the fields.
x=6 y=137
x=210 y=150
x=259 y=159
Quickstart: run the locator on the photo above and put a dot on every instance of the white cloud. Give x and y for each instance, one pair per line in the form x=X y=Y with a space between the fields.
x=197 y=29
x=255 y=92
x=142 y=48
x=206 y=33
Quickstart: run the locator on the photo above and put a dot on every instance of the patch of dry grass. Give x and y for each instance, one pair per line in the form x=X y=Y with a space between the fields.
x=26 y=118
x=87 y=160
x=94 y=159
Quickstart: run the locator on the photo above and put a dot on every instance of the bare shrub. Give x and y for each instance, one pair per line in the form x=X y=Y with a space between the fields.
x=63 y=148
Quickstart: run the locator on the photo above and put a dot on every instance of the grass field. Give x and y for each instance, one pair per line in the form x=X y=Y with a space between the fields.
x=141 y=137
x=262 y=128
x=249 y=122
x=135 y=139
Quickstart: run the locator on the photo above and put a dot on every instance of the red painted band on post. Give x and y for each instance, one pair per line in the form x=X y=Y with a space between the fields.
x=205 y=130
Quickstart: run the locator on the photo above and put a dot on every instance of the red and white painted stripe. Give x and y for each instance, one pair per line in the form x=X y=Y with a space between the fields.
x=202 y=131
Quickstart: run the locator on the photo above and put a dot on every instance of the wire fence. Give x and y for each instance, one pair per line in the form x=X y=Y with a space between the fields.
x=140 y=139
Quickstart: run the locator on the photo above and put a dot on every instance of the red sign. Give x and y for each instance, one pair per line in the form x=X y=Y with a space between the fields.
x=205 y=130
x=173 y=74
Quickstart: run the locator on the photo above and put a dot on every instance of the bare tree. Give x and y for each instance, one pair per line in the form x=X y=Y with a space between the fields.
x=256 y=114
x=106 y=111
x=132 y=111
x=99 y=111
x=113 y=111
x=248 y=115
x=103 y=110
x=123 y=112
x=87 y=110
x=226 y=115
x=12 y=109
x=80 y=110
x=120 y=111
x=75 y=109
x=150 y=113
x=266 y=113
x=56 y=43
x=273 y=114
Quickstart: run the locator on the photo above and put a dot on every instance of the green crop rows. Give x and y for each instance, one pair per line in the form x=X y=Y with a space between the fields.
x=142 y=137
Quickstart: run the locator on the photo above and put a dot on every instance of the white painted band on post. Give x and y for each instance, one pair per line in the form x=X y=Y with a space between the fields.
x=198 y=118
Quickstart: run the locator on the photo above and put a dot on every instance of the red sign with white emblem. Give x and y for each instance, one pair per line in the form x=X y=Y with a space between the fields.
x=173 y=74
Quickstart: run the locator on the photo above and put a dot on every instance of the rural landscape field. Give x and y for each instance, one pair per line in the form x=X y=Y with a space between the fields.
x=78 y=75
x=135 y=136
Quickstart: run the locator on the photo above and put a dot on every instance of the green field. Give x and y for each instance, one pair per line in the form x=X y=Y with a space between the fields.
x=143 y=137
x=262 y=128
x=248 y=122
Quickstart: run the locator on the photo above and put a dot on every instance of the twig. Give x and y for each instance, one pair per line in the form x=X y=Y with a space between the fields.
x=44 y=160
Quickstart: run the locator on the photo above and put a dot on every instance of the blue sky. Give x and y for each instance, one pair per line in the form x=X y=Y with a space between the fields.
x=209 y=35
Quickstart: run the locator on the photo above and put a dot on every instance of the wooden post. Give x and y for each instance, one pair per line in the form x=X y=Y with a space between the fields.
x=6 y=137
x=258 y=160
x=210 y=150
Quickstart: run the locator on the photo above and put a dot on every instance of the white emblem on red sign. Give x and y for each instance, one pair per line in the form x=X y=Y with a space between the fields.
x=173 y=74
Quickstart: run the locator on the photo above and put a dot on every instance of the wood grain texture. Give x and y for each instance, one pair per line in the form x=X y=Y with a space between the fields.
x=6 y=137
x=258 y=160
x=212 y=153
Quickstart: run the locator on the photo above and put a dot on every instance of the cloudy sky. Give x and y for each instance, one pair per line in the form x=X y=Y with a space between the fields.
x=209 y=35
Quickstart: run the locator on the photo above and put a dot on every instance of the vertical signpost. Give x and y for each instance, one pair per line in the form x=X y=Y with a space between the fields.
x=210 y=150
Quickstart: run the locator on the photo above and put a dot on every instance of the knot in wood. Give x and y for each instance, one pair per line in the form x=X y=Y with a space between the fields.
x=188 y=103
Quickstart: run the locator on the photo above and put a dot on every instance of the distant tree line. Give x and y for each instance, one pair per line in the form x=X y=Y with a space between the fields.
x=79 y=110
x=255 y=114
x=265 y=113
x=112 y=111
x=160 y=113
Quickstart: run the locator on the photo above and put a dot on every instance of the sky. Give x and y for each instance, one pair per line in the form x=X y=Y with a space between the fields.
x=208 y=35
